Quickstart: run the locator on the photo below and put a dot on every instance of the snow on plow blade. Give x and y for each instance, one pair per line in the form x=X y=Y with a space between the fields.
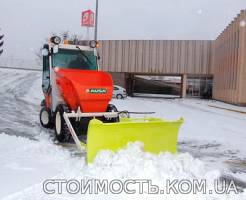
x=156 y=134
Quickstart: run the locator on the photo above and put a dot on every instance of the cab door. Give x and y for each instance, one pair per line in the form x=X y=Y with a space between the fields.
x=46 y=75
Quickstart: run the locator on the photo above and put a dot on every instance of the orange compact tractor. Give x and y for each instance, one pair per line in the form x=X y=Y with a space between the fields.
x=76 y=104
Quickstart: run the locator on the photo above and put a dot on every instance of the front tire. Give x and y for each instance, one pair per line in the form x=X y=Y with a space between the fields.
x=112 y=108
x=46 y=118
x=61 y=128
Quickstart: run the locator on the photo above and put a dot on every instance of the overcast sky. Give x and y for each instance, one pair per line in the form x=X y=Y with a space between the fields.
x=26 y=23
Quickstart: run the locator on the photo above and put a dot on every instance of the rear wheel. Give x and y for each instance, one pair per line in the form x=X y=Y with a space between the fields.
x=45 y=118
x=61 y=128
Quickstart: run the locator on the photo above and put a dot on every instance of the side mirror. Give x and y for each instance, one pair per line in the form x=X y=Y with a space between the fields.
x=98 y=56
x=55 y=49
x=45 y=52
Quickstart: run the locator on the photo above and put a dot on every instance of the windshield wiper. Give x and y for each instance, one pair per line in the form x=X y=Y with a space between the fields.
x=85 y=56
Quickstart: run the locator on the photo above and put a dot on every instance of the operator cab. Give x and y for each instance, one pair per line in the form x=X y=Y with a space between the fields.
x=80 y=55
x=75 y=58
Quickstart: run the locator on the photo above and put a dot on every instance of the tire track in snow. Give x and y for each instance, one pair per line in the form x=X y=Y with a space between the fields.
x=18 y=116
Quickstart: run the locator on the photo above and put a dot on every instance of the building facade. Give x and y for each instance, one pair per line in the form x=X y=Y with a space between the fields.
x=223 y=60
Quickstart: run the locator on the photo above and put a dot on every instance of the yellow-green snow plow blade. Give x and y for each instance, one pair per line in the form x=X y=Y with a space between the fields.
x=156 y=134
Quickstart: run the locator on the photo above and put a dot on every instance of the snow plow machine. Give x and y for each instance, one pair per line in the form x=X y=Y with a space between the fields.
x=76 y=104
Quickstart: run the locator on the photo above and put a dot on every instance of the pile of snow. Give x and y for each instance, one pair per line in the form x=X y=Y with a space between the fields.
x=26 y=162
x=127 y=164
x=133 y=162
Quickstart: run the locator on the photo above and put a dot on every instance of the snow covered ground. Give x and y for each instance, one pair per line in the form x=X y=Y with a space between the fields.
x=211 y=145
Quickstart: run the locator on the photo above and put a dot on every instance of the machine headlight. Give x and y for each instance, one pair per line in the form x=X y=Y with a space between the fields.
x=55 y=40
x=94 y=44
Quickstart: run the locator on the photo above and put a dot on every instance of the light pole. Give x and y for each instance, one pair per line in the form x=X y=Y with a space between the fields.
x=96 y=22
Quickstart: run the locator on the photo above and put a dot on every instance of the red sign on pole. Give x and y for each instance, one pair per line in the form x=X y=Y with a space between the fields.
x=88 y=18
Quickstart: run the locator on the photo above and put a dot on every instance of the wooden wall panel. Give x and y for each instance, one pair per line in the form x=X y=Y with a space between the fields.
x=242 y=59
x=182 y=52
x=156 y=57
x=119 y=53
x=229 y=62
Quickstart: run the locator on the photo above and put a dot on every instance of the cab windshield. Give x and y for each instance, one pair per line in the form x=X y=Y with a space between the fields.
x=75 y=59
